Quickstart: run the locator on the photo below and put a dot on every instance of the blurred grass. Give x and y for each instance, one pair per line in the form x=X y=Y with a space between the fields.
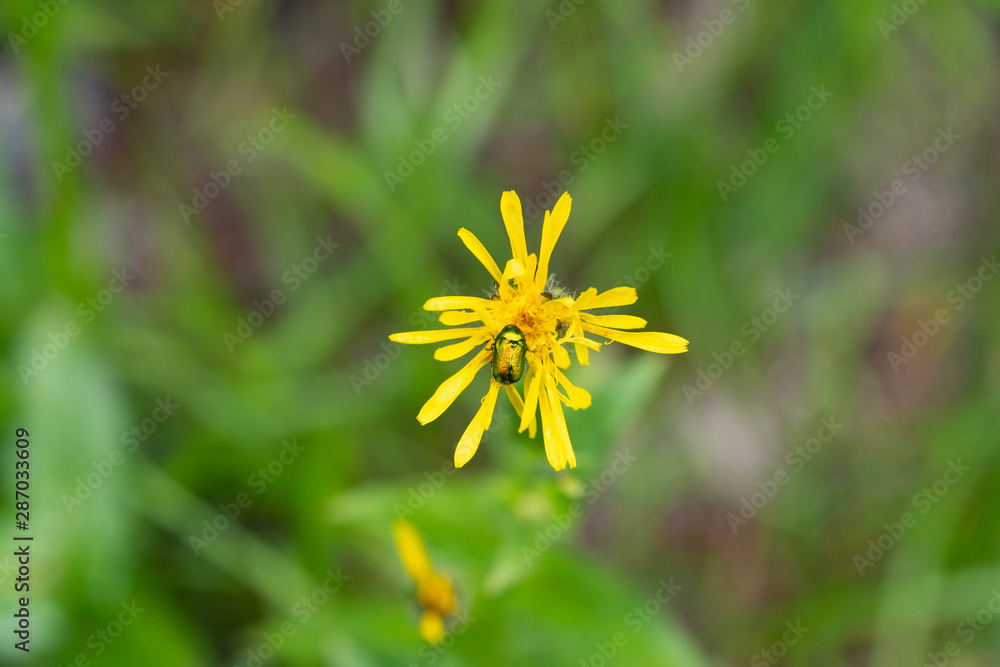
x=297 y=376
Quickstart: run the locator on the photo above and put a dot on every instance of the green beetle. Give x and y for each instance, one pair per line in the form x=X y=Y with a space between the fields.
x=508 y=355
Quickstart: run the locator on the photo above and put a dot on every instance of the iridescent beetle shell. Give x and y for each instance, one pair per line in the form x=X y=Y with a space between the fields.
x=508 y=355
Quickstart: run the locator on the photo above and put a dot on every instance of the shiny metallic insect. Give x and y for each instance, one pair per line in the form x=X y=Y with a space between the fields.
x=508 y=355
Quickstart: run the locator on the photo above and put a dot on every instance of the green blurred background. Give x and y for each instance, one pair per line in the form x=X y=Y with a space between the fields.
x=202 y=256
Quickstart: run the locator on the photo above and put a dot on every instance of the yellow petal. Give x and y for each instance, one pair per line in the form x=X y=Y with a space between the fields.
x=579 y=398
x=483 y=255
x=436 y=592
x=459 y=302
x=515 y=400
x=530 y=270
x=560 y=356
x=653 y=341
x=456 y=350
x=454 y=318
x=510 y=209
x=560 y=422
x=564 y=399
x=433 y=336
x=582 y=341
x=432 y=627
x=412 y=551
x=618 y=296
x=531 y=383
x=550 y=433
x=615 y=321
x=551 y=229
x=513 y=272
x=582 y=352
x=484 y=316
x=451 y=388
x=469 y=442
x=585 y=297
x=513 y=269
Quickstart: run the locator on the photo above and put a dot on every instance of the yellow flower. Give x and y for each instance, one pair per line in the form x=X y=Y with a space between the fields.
x=434 y=591
x=547 y=317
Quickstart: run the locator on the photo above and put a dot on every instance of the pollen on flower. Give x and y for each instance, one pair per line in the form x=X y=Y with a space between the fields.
x=550 y=318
